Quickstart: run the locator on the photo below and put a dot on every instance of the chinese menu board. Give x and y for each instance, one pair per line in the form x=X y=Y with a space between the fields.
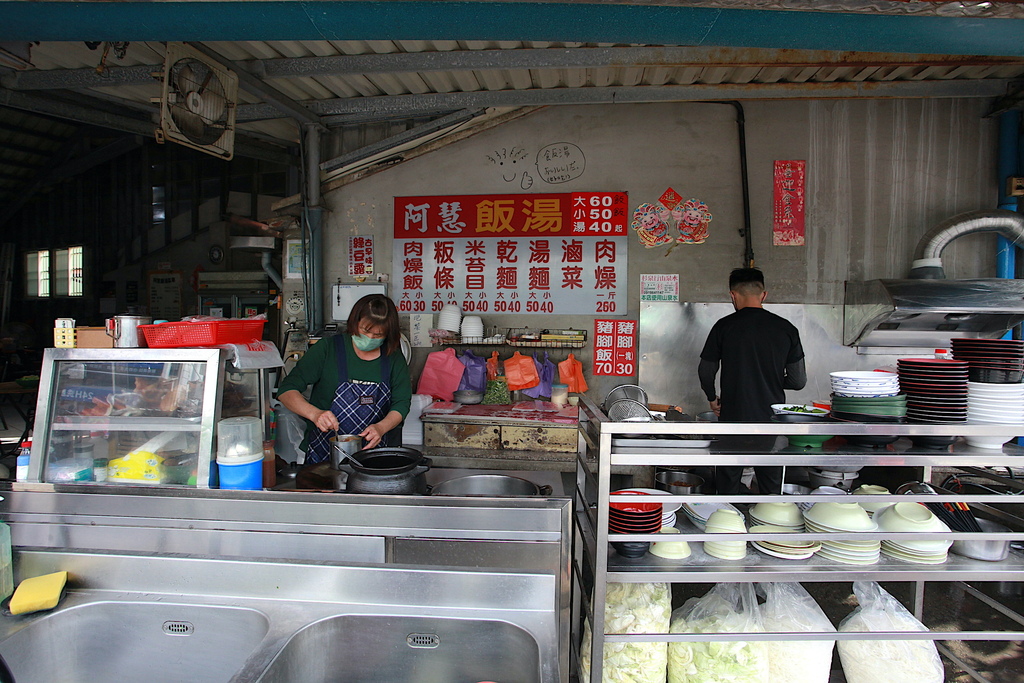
x=360 y=255
x=788 y=200
x=527 y=253
x=615 y=347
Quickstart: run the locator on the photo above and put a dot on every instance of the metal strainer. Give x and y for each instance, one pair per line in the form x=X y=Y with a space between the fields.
x=628 y=410
x=631 y=391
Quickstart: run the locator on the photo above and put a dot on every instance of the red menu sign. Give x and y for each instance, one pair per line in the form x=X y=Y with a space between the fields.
x=788 y=204
x=615 y=347
x=528 y=253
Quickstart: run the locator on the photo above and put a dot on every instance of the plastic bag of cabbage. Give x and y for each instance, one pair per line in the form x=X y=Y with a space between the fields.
x=726 y=608
x=632 y=608
x=892 y=661
x=788 y=607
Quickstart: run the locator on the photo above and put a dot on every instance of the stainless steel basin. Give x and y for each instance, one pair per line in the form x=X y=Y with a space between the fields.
x=134 y=641
x=398 y=649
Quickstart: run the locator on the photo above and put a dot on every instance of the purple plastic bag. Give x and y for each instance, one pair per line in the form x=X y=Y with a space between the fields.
x=546 y=371
x=474 y=378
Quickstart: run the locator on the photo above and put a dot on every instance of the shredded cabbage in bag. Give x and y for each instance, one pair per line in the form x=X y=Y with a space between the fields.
x=721 y=661
x=892 y=661
x=632 y=608
x=789 y=607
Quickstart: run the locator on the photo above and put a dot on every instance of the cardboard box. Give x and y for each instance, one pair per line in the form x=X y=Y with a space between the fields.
x=94 y=338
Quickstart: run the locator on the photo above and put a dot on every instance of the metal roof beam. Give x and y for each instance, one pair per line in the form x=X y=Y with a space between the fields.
x=42 y=105
x=257 y=87
x=7 y=127
x=523 y=58
x=13 y=147
x=411 y=105
x=400 y=139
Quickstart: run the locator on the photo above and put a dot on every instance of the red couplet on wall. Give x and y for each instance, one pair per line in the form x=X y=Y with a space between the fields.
x=788 y=204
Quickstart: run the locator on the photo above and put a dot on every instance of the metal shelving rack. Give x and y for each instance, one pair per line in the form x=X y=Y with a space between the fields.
x=595 y=563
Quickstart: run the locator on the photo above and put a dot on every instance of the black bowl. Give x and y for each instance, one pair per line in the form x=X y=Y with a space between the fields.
x=631 y=549
x=991 y=376
x=794 y=418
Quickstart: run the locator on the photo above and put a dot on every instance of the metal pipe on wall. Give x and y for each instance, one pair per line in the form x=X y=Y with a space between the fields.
x=314 y=219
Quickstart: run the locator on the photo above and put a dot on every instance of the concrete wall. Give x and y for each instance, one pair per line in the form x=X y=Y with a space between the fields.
x=880 y=173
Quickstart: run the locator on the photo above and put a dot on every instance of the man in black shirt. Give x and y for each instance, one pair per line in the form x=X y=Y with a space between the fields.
x=761 y=356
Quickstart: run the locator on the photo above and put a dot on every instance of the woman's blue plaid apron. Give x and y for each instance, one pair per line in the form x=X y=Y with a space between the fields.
x=357 y=404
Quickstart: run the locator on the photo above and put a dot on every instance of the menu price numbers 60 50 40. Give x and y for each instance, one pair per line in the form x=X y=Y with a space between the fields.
x=601 y=216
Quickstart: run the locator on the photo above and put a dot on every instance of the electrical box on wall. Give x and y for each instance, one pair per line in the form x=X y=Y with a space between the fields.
x=1015 y=187
x=343 y=297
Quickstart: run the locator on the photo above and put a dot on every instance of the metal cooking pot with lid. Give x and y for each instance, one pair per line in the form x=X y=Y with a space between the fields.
x=125 y=330
x=387 y=470
x=489 y=485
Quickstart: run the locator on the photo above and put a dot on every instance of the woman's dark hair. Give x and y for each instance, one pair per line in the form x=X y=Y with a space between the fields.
x=379 y=311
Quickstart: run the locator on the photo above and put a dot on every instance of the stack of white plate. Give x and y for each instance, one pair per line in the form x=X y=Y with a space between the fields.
x=668 y=510
x=785 y=550
x=784 y=515
x=840 y=518
x=449 y=318
x=726 y=521
x=865 y=383
x=698 y=513
x=472 y=327
x=994 y=403
x=907 y=517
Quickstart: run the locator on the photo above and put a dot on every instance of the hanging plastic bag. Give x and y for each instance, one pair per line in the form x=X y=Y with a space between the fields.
x=789 y=607
x=892 y=661
x=475 y=376
x=570 y=372
x=521 y=372
x=441 y=375
x=726 y=608
x=494 y=367
x=546 y=371
x=632 y=608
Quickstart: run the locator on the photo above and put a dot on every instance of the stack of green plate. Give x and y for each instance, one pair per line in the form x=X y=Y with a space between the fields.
x=867 y=409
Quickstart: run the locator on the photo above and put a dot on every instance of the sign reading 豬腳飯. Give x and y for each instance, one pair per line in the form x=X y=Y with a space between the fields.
x=360 y=255
x=524 y=253
x=615 y=347
x=788 y=204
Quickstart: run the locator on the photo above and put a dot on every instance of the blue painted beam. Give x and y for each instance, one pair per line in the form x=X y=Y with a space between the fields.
x=509 y=21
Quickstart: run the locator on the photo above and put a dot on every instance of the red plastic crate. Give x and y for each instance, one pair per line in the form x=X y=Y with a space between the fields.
x=206 y=333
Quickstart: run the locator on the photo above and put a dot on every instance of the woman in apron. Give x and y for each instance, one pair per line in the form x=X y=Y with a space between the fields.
x=360 y=381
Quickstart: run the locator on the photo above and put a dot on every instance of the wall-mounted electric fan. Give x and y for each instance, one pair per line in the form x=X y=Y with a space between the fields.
x=197 y=106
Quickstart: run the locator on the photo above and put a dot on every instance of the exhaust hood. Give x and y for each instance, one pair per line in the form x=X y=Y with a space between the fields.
x=927 y=309
x=929 y=312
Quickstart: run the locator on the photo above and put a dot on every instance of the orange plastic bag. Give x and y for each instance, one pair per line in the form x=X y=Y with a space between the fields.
x=493 y=366
x=521 y=372
x=570 y=372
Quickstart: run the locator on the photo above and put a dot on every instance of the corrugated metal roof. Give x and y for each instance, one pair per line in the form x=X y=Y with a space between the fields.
x=353 y=83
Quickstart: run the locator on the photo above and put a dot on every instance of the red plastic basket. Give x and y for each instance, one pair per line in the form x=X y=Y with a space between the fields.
x=206 y=333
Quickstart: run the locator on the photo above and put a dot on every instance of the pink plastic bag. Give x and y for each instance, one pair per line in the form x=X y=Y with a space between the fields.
x=441 y=375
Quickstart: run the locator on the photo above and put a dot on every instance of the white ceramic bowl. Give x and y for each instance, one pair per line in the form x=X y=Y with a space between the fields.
x=911 y=517
x=849 y=516
x=987 y=441
x=673 y=550
x=782 y=514
x=725 y=520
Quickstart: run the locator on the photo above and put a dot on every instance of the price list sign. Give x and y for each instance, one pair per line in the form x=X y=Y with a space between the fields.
x=615 y=347
x=528 y=253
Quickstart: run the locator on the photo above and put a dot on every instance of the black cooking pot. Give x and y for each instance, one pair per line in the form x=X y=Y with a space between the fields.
x=389 y=470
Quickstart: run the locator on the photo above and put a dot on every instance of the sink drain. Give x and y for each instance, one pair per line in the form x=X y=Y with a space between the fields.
x=178 y=628
x=423 y=640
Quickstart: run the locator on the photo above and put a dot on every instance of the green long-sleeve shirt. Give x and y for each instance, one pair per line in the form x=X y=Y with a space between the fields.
x=320 y=368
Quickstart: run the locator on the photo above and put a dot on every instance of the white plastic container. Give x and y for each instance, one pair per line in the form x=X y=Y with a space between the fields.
x=6 y=562
x=239 y=439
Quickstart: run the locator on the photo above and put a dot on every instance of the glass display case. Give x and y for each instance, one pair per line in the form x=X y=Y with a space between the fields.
x=127 y=416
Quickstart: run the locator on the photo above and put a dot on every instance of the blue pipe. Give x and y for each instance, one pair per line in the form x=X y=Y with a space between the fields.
x=1008 y=165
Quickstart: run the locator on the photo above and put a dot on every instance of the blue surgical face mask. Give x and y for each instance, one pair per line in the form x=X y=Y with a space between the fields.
x=364 y=343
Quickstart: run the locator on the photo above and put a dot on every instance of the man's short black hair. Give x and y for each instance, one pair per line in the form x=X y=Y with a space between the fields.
x=741 y=276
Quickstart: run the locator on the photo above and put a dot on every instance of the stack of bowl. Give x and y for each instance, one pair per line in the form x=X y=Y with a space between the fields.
x=726 y=521
x=872 y=507
x=472 y=329
x=673 y=550
x=633 y=518
x=668 y=510
x=840 y=518
x=785 y=515
x=450 y=318
x=995 y=404
x=994 y=361
x=698 y=513
x=911 y=517
x=784 y=416
x=868 y=397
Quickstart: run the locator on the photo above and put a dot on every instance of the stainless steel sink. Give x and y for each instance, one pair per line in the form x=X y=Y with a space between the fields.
x=359 y=648
x=134 y=641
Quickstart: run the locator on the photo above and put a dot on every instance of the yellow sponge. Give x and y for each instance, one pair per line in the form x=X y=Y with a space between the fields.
x=39 y=593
